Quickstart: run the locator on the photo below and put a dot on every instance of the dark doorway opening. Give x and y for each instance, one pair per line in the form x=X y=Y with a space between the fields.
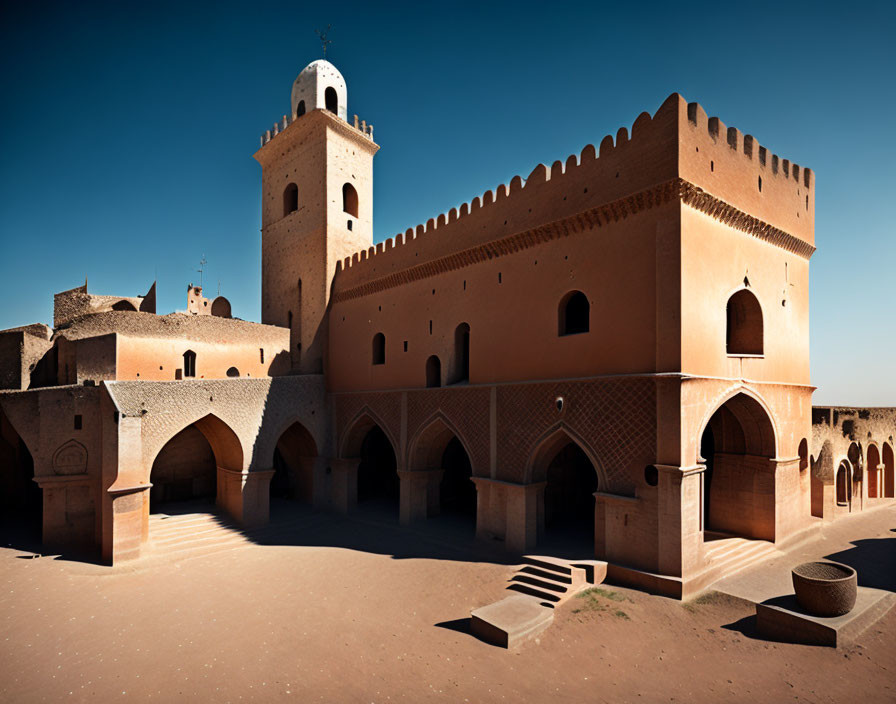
x=569 y=496
x=184 y=470
x=20 y=496
x=293 y=464
x=457 y=493
x=377 y=475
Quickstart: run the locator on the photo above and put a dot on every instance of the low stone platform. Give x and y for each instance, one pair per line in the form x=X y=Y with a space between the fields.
x=783 y=619
x=509 y=622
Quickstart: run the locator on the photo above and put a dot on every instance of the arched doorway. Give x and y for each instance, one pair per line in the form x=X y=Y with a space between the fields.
x=186 y=468
x=737 y=446
x=20 y=496
x=872 y=471
x=293 y=464
x=889 y=479
x=377 y=470
x=566 y=511
x=457 y=493
x=844 y=484
x=440 y=476
x=569 y=493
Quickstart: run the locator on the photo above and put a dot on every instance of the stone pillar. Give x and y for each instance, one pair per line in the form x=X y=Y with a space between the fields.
x=344 y=484
x=789 y=510
x=419 y=494
x=320 y=483
x=130 y=523
x=600 y=526
x=522 y=509
x=245 y=496
x=488 y=525
x=680 y=502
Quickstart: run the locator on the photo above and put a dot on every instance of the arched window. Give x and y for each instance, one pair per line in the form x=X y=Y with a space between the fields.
x=300 y=108
x=804 y=454
x=331 y=101
x=843 y=484
x=189 y=363
x=290 y=199
x=574 y=314
x=461 y=370
x=433 y=372
x=350 y=200
x=233 y=372
x=744 y=324
x=379 y=348
x=124 y=305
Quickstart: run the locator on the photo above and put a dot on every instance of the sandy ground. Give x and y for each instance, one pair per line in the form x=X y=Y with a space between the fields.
x=355 y=610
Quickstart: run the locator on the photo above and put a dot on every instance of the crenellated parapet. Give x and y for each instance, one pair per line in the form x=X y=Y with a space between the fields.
x=286 y=121
x=735 y=168
x=709 y=167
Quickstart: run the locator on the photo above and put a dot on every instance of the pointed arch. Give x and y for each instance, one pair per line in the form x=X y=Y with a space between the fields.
x=549 y=444
x=357 y=429
x=872 y=472
x=736 y=445
x=292 y=459
x=224 y=442
x=889 y=482
x=767 y=440
x=430 y=440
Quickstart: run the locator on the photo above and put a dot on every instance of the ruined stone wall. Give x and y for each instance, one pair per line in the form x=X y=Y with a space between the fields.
x=77 y=302
x=844 y=436
x=835 y=429
x=21 y=352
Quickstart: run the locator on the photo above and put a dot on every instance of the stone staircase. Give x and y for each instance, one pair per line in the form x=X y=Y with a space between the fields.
x=541 y=584
x=728 y=555
x=552 y=580
x=192 y=534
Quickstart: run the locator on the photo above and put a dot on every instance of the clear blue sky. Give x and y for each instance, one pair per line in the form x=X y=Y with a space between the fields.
x=128 y=131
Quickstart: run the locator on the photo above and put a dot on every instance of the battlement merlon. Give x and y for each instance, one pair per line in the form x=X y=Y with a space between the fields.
x=678 y=148
x=359 y=127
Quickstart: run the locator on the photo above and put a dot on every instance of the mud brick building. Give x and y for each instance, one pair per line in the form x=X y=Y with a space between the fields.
x=611 y=353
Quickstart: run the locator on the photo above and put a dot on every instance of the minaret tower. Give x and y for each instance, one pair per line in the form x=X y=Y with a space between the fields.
x=317 y=208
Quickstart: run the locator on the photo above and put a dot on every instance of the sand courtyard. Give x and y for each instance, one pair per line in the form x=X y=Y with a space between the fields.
x=357 y=609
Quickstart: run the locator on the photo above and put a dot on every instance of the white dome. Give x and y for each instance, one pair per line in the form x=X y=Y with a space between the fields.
x=309 y=91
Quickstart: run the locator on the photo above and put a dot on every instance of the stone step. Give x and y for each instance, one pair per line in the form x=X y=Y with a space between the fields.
x=547 y=574
x=731 y=562
x=552 y=564
x=175 y=535
x=549 y=599
x=544 y=584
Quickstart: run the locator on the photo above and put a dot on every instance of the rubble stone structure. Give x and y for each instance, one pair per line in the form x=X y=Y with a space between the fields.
x=612 y=353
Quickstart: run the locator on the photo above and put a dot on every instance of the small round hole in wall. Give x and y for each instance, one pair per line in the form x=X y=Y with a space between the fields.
x=651 y=475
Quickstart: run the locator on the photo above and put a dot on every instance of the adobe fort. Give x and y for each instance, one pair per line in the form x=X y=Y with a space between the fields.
x=612 y=352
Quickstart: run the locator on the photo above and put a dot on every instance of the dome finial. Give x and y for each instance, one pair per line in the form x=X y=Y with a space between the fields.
x=323 y=39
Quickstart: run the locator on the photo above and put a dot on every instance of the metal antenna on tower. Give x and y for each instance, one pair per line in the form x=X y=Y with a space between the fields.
x=323 y=39
x=201 y=268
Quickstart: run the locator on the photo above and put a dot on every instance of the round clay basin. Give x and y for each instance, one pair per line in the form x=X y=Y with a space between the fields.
x=825 y=588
